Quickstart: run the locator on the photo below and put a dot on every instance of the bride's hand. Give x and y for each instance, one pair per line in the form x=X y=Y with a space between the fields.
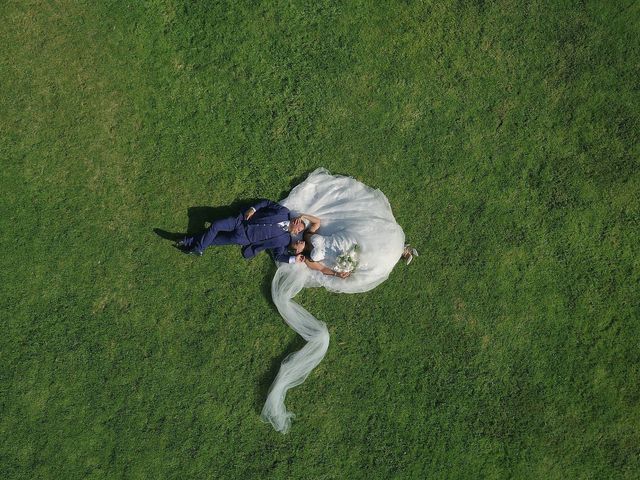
x=343 y=274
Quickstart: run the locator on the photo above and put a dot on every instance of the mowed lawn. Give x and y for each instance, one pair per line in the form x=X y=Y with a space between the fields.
x=505 y=136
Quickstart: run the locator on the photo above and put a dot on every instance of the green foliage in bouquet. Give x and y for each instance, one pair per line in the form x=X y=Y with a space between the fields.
x=348 y=261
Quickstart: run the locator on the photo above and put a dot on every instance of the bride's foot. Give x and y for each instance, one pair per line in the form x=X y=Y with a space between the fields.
x=409 y=253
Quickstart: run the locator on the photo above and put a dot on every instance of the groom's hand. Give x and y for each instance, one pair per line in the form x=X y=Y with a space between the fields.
x=299 y=258
x=249 y=213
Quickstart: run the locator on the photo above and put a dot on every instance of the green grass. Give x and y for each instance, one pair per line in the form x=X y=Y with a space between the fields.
x=505 y=135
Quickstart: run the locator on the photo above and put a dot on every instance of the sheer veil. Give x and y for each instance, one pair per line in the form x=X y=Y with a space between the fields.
x=344 y=205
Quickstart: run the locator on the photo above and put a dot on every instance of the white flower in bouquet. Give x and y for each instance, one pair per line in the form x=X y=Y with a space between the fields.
x=348 y=261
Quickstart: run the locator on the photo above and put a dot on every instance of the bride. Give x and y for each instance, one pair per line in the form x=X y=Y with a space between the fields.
x=352 y=249
x=328 y=255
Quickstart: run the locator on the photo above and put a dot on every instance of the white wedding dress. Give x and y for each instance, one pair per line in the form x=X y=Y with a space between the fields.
x=327 y=249
x=350 y=213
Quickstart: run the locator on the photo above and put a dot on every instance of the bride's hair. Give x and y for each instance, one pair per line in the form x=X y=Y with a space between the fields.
x=292 y=246
x=408 y=253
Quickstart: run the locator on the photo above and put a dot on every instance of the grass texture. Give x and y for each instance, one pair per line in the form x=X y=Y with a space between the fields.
x=505 y=135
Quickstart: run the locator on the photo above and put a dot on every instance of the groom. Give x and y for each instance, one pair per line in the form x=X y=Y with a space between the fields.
x=266 y=225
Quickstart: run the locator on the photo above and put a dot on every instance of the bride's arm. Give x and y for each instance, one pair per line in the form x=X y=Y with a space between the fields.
x=321 y=267
x=315 y=222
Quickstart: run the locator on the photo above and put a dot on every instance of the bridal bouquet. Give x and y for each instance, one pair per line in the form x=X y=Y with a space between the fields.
x=348 y=261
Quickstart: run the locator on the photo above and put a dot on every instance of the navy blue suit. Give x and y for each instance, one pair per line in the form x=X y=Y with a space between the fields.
x=258 y=233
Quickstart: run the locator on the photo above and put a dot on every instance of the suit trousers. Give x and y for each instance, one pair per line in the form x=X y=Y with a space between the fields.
x=225 y=231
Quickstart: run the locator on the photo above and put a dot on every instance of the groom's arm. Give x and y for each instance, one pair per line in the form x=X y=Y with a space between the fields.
x=249 y=251
x=262 y=204
x=282 y=255
x=314 y=221
x=278 y=254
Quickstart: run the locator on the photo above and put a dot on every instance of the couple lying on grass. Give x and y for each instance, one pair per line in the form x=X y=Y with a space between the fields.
x=353 y=249
x=288 y=238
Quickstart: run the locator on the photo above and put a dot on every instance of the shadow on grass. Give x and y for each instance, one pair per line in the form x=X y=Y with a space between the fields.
x=265 y=380
x=198 y=217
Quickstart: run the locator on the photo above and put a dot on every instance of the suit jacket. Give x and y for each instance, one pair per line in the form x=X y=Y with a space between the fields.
x=264 y=232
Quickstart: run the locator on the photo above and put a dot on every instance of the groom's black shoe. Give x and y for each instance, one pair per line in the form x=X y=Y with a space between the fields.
x=187 y=251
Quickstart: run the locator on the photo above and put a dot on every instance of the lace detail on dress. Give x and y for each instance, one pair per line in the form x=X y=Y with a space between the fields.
x=318 y=252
